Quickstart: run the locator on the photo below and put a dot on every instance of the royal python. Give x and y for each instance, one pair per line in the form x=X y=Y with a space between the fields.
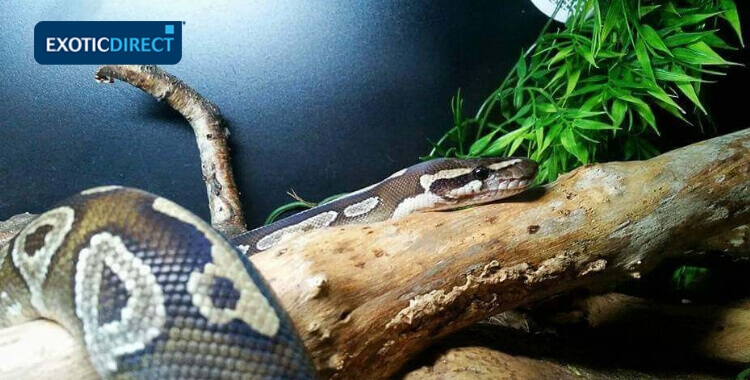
x=153 y=292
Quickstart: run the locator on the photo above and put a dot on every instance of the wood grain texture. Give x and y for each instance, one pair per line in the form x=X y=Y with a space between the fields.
x=42 y=350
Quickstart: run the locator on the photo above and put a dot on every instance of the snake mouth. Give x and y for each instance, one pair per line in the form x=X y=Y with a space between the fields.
x=519 y=178
x=504 y=189
x=520 y=184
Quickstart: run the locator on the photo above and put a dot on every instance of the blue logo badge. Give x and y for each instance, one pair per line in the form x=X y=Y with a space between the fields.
x=108 y=42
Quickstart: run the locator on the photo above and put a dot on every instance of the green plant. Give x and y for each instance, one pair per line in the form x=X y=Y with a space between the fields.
x=586 y=92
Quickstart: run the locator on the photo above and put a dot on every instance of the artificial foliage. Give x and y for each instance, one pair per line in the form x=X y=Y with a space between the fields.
x=586 y=92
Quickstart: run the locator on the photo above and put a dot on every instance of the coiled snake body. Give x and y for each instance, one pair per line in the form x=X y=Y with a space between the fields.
x=154 y=293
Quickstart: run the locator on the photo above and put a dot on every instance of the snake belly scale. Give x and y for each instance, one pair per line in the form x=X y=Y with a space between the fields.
x=153 y=292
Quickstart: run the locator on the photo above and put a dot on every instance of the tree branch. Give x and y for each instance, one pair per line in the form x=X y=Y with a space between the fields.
x=210 y=134
x=367 y=298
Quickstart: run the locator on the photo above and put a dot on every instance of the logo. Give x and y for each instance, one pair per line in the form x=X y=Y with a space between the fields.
x=108 y=42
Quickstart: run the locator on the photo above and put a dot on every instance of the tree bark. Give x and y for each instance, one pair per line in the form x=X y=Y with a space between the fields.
x=210 y=133
x=367 y=298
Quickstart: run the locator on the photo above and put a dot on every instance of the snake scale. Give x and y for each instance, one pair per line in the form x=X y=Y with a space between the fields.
x=153 y=292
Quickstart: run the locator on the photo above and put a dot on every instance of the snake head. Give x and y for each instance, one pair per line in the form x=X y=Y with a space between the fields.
x=465 y=182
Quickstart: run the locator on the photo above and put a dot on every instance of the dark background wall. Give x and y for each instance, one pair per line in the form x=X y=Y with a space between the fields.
x=322 y=98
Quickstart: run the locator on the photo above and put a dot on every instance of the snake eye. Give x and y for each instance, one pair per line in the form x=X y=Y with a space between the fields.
x=481 y=173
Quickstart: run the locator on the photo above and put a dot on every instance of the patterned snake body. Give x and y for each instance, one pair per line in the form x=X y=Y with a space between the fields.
x=153 y=292
x=433 y=185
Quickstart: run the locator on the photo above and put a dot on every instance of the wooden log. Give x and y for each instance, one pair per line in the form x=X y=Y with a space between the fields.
x=368 y=298
x=42 y=350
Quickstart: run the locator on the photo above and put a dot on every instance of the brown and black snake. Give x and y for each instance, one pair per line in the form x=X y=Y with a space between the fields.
x=153 y=292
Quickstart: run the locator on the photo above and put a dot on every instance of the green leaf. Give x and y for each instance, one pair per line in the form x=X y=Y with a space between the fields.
x=676 y=112
x=580 y=114
x=521 y=68
x=539 y=134
x=593 y=101
x=673 y=76
x=592 y=125
x=581 y=133
x=715 y=41
x=498 y=145
x=619 y=107
x=689 y=91
x=733 y=17
x=644 y=10
x=588 y=89
x=607 y=54
x=568 y=140
x=586 y=53
x=513 y=147
x=546 y=108
x=561 y=55
x=700 y=53
x=653 y=39
x=518 y=96
x=554 y=133
x=480 y=145
x=691 y=19
x=643 y=59
x=612 y=20
x=682 y=39
x=661 y=95
x=559 y=74
x=643 y=110
x=648 y=116
x=572 y=80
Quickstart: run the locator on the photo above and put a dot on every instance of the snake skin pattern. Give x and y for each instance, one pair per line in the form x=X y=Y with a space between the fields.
x=153 y=292
x=438 y=184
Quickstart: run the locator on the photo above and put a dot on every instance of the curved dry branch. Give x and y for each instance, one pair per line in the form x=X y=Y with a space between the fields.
x=210 y=134
x=367 y=298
